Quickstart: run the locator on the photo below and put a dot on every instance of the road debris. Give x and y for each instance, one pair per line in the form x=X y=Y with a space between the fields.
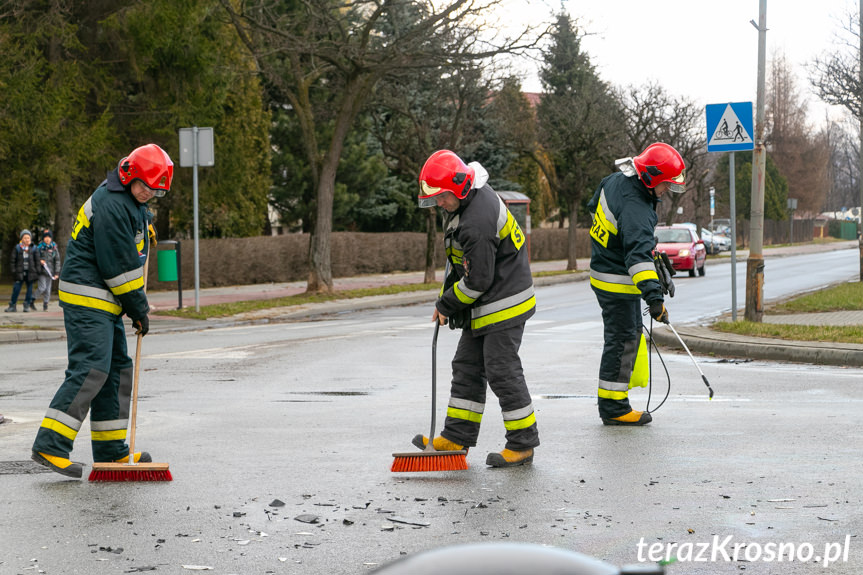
x=397 y=519
x=307 y=518
x=277 y=503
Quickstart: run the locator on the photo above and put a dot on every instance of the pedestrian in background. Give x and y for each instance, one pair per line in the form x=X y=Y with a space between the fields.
x=489 y=295
x=622 y=272
x=49 y=269
x=24 y=264
x=103 y=279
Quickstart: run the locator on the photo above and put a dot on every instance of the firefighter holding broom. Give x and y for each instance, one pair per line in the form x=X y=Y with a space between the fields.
x=103 y=279
x=622 y=272
x=488 y=294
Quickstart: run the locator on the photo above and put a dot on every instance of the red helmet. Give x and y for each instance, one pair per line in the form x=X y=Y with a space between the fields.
x=661 y=163
x=444 y=172
x=151 y=165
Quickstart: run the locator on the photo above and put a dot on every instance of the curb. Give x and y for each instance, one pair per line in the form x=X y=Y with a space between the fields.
x=706 y=341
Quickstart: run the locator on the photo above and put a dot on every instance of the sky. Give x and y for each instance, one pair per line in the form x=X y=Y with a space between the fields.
x=706 y=50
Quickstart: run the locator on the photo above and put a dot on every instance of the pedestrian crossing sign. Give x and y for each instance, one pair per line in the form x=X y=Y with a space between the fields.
x=729 y=127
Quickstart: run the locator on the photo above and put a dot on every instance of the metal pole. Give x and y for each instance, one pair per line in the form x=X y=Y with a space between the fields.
x=179 y=277
x=732 y=203
x=755 y=262
x=195 y=208
x=860 y=118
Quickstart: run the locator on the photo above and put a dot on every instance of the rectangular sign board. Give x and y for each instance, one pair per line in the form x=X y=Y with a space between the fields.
x=206 y=154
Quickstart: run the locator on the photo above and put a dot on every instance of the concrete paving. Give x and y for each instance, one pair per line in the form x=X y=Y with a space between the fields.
x=44 y=326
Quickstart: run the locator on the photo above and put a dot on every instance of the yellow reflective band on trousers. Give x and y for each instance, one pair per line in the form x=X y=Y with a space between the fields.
x=464 y=414
x=60 y=428
x=108 y=435
x=641 y=370
x=520 y=423
x=608 y=394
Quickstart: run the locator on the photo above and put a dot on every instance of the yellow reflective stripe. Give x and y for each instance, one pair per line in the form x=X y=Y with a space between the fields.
x=645 y=275
x=641 y=368
x=604 y=221
x=504 y=314
x=520 y=423
x=91 y=302
x=507 y=227
x=464 y=414
x=60 y=428
x=462 y=297
x=128 y=286
x=615 y=288
x=108 y=435
x=606 y=394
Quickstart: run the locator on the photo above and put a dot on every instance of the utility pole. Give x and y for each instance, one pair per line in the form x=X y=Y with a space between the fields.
x=755 y=263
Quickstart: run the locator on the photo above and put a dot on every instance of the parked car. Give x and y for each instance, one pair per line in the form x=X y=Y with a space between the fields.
x=683 y=248
x=715 y=242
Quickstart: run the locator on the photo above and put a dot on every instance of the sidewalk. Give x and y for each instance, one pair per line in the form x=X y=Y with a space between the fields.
x=48 y=325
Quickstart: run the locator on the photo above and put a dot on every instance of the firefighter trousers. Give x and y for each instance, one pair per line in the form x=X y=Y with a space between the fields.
x=98 y=380
x=624 y=353
x=490 y=360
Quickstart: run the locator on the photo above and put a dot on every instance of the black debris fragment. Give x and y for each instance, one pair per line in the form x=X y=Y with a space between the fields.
x=239 y=514
x=277 y=503
x=141 y=569
x=307 y=518
x=397 y=519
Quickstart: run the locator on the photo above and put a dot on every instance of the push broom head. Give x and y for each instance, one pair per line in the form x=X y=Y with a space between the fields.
x=429 y=461
x=130 y=472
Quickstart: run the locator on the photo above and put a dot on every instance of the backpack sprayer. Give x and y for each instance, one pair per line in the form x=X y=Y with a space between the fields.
x=665 y=272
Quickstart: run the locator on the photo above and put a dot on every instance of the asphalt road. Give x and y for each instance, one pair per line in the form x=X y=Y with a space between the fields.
x=309 y=413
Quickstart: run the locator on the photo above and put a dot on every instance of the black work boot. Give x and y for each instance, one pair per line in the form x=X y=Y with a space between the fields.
x=631 y=418
x=12 y=307
x=510 y=458
x=59 y=464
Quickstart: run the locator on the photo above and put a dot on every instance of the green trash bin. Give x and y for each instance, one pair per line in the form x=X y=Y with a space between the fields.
x=167 y=265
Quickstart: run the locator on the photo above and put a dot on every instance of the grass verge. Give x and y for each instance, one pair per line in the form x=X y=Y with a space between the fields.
x=842 y=297
x=233 y=308
x=830 y=333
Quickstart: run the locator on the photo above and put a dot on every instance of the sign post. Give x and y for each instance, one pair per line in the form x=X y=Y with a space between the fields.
x=729 y=129
x=196 y=149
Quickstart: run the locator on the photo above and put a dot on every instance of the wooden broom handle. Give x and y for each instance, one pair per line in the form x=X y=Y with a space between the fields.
x=136 y=372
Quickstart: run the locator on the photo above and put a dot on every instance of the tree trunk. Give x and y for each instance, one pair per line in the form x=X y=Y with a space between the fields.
x=64 y=217
x=572 y=263
x=431 y=245
x=356 y=93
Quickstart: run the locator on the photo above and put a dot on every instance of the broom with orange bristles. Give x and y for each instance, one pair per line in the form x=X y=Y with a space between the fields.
x=132 y=471
x=430 y=459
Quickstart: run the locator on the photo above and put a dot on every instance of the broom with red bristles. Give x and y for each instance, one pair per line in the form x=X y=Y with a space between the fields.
x=132 y=471
x=430 y=459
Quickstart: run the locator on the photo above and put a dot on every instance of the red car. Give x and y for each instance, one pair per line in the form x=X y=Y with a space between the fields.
x=682 y=247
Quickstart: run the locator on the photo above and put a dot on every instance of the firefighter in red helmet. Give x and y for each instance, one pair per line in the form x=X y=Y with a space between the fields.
x=102 y=280
x=488 y=294
x=622 y=272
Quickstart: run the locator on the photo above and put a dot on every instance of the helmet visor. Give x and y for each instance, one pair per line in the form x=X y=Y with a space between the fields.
x=427 y=195
x=677 y=184
x=157 y=192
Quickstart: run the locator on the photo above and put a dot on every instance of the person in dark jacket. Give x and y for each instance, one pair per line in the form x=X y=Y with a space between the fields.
x=622 y=272
x=49 y=267
x=24 y=264
x=488 y=294
x=103 y=279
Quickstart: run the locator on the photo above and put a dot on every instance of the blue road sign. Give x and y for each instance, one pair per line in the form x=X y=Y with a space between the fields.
x=729 y=127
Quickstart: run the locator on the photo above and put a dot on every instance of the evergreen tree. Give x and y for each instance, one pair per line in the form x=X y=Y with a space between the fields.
x=580 y=124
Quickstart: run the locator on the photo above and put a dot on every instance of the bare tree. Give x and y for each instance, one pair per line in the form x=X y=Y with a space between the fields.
x=325 y=59
x=801 y=156
x=653 y=115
